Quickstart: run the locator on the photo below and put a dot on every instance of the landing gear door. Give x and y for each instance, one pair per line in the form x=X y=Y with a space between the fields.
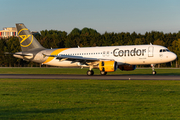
x=151 y=51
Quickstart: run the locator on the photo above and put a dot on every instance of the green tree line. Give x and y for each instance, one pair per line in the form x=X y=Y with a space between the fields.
x=88 y=37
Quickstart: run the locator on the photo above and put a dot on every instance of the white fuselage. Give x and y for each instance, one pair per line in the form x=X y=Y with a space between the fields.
x=132 y=55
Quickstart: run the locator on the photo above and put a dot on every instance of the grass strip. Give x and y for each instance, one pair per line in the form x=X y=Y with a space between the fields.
x=89 y=99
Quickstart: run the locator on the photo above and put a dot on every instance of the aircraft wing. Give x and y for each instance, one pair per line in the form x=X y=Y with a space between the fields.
x=80 y=59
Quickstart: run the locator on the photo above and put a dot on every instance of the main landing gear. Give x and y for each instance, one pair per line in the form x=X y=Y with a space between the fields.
x=153 y=71
x=103 y=72
x=90 y=72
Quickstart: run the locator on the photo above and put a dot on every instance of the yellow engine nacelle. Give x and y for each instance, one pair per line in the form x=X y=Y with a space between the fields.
x=127 y=67
x=108 y=66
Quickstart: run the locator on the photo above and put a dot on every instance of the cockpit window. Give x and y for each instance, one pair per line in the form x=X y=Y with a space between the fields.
x=164 y=50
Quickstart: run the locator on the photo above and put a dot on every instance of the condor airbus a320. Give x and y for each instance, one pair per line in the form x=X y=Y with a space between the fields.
x=106 y=59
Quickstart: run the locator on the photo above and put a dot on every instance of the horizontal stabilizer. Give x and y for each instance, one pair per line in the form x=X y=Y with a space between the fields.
x=21 y=54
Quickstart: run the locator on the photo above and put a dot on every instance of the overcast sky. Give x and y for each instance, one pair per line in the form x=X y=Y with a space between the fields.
x=102 y=15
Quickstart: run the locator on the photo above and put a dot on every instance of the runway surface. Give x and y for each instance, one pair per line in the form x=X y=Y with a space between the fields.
x=95 y=77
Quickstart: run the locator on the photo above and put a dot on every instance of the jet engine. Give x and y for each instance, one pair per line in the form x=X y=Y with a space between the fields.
x=108 y=66
x=127 y=67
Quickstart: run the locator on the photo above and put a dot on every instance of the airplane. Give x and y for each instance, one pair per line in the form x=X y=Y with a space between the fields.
x=104 y=58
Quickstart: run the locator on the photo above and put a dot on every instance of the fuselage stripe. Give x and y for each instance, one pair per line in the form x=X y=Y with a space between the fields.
x=54 y=53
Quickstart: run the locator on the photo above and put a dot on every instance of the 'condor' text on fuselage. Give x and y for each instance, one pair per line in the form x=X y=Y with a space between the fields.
x=133 y=52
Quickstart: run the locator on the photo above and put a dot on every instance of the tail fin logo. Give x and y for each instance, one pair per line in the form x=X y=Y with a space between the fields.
x=24 y=42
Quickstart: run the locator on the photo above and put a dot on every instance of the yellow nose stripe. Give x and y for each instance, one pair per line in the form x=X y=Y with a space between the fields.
x=54 y=53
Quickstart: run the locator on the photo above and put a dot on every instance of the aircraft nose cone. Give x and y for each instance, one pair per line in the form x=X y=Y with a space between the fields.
x=173 y=56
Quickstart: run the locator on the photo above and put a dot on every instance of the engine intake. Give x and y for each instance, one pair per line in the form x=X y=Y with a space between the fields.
x=108 y=66
x=127 y=67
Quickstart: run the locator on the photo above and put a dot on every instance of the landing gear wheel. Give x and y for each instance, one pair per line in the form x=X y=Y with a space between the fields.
x=90 y=72
x=103 y=73
x=154 y=72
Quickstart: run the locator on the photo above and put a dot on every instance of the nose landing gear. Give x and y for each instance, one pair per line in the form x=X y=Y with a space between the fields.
x=153 y=71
